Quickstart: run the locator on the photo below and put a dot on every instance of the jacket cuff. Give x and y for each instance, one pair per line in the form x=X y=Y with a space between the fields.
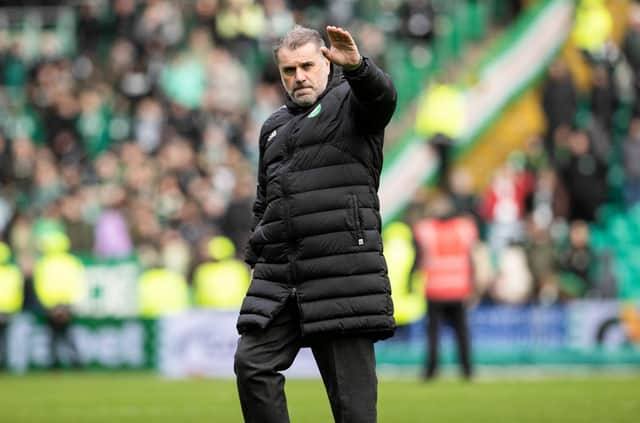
x=359 y=71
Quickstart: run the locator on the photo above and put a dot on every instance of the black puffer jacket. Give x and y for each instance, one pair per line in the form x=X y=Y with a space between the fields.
x=317 y=222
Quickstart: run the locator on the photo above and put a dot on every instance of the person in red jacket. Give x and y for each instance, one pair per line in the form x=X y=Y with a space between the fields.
x=445 y=242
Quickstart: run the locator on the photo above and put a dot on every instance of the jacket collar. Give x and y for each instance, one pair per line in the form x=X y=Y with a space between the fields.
x=335 y=78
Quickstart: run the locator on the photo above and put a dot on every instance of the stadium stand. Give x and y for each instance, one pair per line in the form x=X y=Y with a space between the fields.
x=132 y=125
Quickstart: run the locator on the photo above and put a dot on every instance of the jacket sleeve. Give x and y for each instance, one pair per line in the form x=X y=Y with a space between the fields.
x=259 y=205
x=374 y=95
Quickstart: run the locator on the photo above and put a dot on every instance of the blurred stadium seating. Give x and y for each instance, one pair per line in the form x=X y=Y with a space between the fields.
x=131 y=126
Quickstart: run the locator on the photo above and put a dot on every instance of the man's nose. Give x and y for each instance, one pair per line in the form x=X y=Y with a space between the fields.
x=300 y=75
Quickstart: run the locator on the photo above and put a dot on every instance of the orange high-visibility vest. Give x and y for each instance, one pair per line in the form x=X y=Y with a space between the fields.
x=445 y=256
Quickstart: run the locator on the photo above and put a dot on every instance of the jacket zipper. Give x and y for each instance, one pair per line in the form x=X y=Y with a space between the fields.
x=293 y=292
x=291 y=245
x=356 y=220
x=290 y=241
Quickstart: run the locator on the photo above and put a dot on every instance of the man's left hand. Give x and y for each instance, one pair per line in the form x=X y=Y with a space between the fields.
x=344 y=51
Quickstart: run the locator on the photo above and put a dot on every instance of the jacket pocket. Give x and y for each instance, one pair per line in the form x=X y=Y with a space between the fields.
x=357 y=232
x=252 y=253
x=255 y=245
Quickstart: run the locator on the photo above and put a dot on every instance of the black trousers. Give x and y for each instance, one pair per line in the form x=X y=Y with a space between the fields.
x=4 y=324
x=59 y=323
x=453 y=312
x=347 y=367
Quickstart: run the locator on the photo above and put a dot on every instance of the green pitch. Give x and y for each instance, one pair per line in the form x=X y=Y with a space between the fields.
x=144 y=397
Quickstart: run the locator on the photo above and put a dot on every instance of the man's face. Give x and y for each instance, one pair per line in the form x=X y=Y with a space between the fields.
x=304 y=73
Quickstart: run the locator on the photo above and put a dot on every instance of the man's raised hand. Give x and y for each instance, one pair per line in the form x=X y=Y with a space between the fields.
x=344 y=51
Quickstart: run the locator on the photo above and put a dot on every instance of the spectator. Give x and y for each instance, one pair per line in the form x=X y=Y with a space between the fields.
x=592 y=28
x=111 y=237
x=278 y=21
x=374 y=42
x=228 y=92
x=559 y=103
x=503 y=206
x=548 y=201
x=192 y=225
x=184 y=81
x=239 y=23
x=125 y=17
x=441 y=119
x=540 y=253
x=205 y=15
x=135 y=81
x=599 y=138
x=62 y=135
x=78 y=227
x=145 y=223
x=160 y=25
x=161 y=292
x=221 y=283
x=175 y=253
x=23 y=163
x=445 y=242
x=59 y=283
x=148 y=125
x=584 y=176
x=93 y=122
x=575 y=263
x=603 y=98
x=15 y=71
x=514 y=282
x=236 y=221
x=418 y=20
x=400 y=253
x=47 y=182
x=169 y=198
x=463 y=196
x=26 y=264
x=631 y=49
x=89 y=25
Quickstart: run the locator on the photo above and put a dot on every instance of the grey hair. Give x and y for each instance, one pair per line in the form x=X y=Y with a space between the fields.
x=297 y=37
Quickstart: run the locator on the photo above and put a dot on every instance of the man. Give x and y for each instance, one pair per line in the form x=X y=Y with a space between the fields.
x=445 y=242
x=59 y=283
x=221 y=282
x=319 y=277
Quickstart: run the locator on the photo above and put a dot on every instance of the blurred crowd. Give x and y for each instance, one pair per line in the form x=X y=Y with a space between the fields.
x=129 y=128
x=139 y=138
x=558 y=217
x=137 y=135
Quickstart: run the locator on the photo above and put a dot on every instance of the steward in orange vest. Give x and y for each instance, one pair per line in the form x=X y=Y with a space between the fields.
x=447 y=263
x=445 y=243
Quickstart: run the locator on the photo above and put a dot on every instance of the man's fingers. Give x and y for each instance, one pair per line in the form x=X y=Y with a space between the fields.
x=340 y=37
x=343 y=49
x=338 y=34
x=337 y=30
x=334 y=29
